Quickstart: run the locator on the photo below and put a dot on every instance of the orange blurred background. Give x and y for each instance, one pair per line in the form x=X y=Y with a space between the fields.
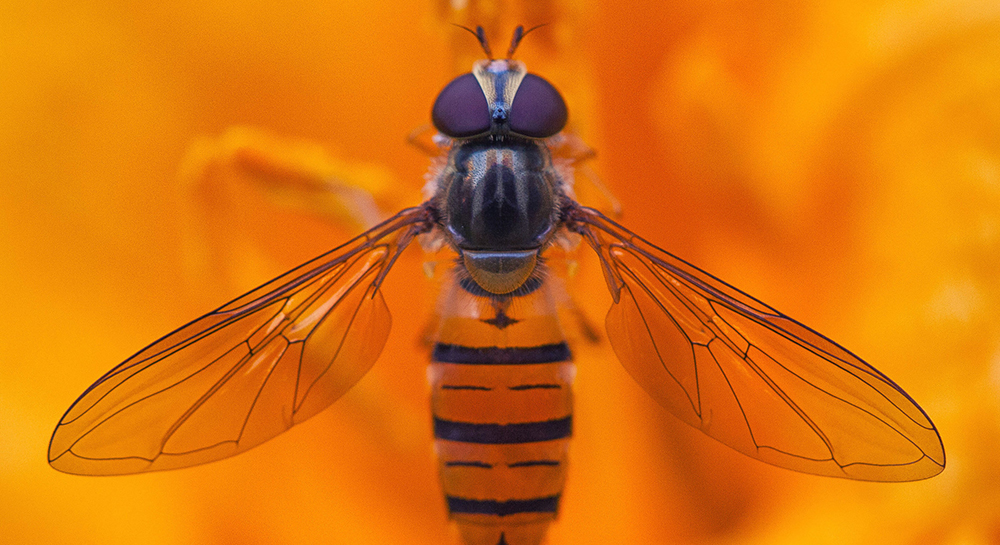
x=838 y=160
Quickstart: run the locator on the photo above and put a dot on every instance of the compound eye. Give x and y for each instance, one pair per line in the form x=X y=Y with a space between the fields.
x=538 y=110
x=461 y=109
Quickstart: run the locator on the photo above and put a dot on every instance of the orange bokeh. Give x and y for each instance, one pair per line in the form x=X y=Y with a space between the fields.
x=840 y=161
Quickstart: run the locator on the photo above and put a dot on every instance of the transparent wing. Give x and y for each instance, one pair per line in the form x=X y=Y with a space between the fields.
x=749 y=376
x=244 y=373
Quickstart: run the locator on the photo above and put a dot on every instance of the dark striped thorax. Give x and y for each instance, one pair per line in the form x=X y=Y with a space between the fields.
x=499 y=195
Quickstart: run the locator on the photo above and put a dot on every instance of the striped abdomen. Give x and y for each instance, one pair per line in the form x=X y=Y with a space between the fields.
x=502 y=409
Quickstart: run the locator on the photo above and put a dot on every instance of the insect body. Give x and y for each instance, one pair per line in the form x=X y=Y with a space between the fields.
x=501 y=369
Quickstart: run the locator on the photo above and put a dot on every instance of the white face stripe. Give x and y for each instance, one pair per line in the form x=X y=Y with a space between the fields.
x=499 y=81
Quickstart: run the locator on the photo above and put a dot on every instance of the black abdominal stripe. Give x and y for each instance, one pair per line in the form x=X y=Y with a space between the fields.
x=502 y=423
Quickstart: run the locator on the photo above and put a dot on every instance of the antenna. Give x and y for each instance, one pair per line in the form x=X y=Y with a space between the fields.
x=480 y=35
x=519 y=34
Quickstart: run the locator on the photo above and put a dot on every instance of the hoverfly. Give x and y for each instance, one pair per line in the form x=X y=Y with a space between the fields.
x=501 y=368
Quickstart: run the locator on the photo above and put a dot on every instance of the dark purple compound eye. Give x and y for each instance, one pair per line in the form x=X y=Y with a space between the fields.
x=461 y=109
x=538 y=110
